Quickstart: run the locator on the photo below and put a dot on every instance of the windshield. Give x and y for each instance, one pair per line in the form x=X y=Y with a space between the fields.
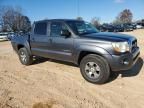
x=81 y=27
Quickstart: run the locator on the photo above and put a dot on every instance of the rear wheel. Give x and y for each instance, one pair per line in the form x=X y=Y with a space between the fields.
x=24 y=57
x=95 y=69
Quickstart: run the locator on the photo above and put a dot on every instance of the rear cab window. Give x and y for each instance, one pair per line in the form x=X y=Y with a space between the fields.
x=40 y=28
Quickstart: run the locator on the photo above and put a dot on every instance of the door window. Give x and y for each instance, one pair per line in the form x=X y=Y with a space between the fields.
x=56 y=28
x=40 y=28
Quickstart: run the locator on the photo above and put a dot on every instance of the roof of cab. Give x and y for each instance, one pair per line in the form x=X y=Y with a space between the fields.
x=56 y=20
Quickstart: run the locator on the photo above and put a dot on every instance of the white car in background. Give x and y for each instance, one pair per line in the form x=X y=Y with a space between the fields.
x=3 y=36
x=139 y=26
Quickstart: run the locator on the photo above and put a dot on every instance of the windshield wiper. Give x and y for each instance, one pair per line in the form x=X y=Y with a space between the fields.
x=87 y=33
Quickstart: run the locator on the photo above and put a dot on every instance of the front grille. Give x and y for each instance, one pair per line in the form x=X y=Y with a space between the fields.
x=134 y=44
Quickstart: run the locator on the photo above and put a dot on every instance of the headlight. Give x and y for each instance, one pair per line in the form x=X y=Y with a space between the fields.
x=121 y=46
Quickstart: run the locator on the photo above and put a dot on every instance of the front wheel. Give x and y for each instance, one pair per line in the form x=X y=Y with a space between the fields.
x=24 y=57
x=95 y=69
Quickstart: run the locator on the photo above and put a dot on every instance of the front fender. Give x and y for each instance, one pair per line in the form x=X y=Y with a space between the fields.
x=92 y=49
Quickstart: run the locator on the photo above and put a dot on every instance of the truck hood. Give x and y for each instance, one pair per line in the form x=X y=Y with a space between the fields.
x=106 y=36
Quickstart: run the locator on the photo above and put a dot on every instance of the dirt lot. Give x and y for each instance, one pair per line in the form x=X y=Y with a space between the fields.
x=52 y=84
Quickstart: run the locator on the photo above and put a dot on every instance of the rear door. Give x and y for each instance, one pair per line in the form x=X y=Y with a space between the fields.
x=40 y=39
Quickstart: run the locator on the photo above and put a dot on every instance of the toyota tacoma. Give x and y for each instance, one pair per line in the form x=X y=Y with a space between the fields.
x=96 y=53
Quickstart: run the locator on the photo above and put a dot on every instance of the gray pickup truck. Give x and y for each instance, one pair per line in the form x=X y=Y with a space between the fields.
x=96 y=53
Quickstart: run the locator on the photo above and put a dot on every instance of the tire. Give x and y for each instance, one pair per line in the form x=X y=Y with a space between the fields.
x=98 y=72
x=24 y=57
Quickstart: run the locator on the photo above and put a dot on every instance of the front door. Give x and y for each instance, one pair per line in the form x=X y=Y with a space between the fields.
x=62 y=46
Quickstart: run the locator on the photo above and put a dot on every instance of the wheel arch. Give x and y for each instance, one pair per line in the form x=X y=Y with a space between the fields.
x=20 y=46
x=23 y=44
x=84 y=53
x=93 y=50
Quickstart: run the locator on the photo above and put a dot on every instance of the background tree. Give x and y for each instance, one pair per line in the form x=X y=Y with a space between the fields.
x=25 y=24
x=0 y=19
x=117 y=21
x=79 y=18
x=95 y=21
x=12 y=19
x=125 y=16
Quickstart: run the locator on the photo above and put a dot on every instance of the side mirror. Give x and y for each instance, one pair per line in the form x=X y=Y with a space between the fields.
x=65 y=33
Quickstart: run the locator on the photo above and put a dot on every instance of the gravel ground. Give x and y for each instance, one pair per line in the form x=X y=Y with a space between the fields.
x=53 y=84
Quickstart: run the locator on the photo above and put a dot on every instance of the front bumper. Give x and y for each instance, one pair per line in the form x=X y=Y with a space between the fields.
x=124 y=61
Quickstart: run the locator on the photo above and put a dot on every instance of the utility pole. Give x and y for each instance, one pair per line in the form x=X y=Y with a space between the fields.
x=78 y=9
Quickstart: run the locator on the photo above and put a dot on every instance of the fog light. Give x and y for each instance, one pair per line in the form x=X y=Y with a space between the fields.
x=125 y=62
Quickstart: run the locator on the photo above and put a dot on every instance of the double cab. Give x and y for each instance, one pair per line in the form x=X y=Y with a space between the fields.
x=96 y=53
